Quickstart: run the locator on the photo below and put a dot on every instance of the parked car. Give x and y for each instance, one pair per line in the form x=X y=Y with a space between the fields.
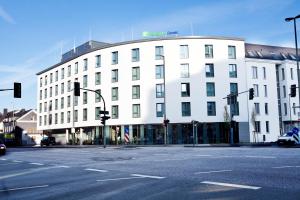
x=289 y=138
x=46 y=141
x=2 y=148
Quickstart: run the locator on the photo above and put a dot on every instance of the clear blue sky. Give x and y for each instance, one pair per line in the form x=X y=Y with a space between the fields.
x=32 y=32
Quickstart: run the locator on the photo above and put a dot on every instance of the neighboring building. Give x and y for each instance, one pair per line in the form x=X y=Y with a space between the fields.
x=20 y=127
x=199 y=72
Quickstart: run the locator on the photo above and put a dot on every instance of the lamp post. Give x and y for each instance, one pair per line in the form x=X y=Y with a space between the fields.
x=165 y=107
x=297 y=58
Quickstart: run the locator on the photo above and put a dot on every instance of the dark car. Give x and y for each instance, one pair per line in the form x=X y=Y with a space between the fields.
x=46 y=141
x=2 y=148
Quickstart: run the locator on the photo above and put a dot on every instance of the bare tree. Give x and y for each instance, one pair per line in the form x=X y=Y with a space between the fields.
x=253 y=119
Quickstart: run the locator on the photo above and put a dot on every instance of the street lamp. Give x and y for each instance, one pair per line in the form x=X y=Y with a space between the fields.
x=297 y=58
x=165 y=107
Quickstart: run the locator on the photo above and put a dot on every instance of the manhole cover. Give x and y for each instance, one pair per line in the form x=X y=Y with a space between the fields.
x=111 y=158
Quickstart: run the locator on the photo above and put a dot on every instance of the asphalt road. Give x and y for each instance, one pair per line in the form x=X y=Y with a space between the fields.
x=150 y=173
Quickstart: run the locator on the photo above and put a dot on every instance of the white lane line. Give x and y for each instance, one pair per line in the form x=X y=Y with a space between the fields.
x=147 y=176
x=231 y=185
x=218 y=171
x=260 y=156
x=3 y=159
x=203 y=155
x=96 y=170
x=17 y=161
x=62 y=166
x=39 y=164
x=24 y=188
x=115 y=179
x=281 y=167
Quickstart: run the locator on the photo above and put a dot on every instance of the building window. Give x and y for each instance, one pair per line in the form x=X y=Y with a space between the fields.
x=68 y=116
x=40 y=120
x=85 y=81
x=97 y=113
x=69 y=101
x=84 y=114
x=56 y=90
x=231 y=52
x=264 y=73
x=97 y=96
x=56 y=104
x=160 y=91
x=45 y=106
x=184 y=72
x=159 y=71
x=135 y=73
x=284 y=91
x=256 y=107
x=75 y=115
x=135 y=91
x=210 y=89
x=51 y=77
x=41 y=82
x=76 y=68
x=136 y=111
x=285 y=108
x=266 y=90
x=257 y=126
x=62 y=88
x=62 y=116
x=282 y=74
x=209 y=53
x=209 y=70
x=114 y=75
x=69 y=86
x=256 y=91
x=211 y=108
x=98 y=78
x=185 y=109
x=159 y=52
x=114 y=94
x=45 y=93
x=75 y=100
x=267 y=127
x=62 y=103
x=40 y=108
x=98 y=61
x=232 y=71
x=85 y=64
x=45 y=120
x=50 y=92
x=62 y=73
x=185 y=89
x=46 y=79
x=69 y=70
x=266 y=109
x=41 y=94
x=160 y=110
x=184 y=51
x=254 y=72
x=292 y=74
x=56 y=75
x=50 y=105
x=115 y=112
x=50 y=119
x=114 y=60
x=234 y=88
x=135 y=55
x=85 y=98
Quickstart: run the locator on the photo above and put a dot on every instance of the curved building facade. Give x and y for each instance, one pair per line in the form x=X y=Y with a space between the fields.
x=185 y=78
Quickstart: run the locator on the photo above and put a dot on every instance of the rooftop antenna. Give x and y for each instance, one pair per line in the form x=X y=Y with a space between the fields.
x=192 y=29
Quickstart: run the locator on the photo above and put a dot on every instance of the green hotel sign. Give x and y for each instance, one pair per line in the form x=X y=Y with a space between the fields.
x=158 y=34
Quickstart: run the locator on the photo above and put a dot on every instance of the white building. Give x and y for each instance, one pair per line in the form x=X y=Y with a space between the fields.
x=199 y=73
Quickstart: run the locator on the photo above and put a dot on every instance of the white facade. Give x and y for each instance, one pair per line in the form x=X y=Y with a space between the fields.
x=177 y=53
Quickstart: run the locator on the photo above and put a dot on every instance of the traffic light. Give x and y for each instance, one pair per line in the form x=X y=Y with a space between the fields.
x=251 y=93
x=293 y=90
x=76 y=89
x=104 y=118
x=17 y=90
x=166 y=121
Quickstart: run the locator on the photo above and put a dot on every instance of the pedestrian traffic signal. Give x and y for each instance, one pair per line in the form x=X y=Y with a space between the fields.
x=251 y=93
x=104 y=118
x=293 y=90
x=17 y=90
x=76 y=89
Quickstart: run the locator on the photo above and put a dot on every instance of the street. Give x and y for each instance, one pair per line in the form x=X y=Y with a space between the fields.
x=150 y=173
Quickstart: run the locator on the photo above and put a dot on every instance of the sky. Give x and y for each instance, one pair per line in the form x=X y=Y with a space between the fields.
x=34 y=33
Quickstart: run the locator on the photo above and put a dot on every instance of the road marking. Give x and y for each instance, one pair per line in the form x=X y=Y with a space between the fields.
x=148 y=176
x=281 y=167
x=3 y=159
x=40 y=164
x=115 y=179
x=96 y=170
x=17 y=161
x=208 y=172
x=232 y=185
x=203 y=155
x=260 y=156
x=62 y=166
x=24 y=188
